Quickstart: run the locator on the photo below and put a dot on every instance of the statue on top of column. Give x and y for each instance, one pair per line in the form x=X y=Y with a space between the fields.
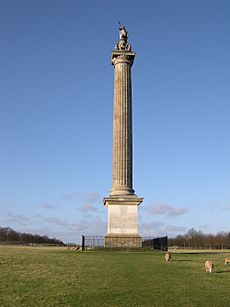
x=122 y=44
x=123 y=32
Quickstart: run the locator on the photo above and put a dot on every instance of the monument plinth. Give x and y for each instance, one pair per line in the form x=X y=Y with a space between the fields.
x=122 y=203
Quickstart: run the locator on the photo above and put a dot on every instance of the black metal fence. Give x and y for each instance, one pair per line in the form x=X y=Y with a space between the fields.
x=160 y=243
x=224 y=246
x=92 y=242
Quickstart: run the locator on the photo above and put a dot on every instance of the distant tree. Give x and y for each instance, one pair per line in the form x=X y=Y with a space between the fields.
x=25 y=238
x=3 y=234
x=12 y=235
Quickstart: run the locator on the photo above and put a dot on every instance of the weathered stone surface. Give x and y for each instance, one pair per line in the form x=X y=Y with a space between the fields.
x=122 y=215
x=113 y=241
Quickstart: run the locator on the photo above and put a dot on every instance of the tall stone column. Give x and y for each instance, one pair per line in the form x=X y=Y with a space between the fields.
x=122 y=203
x=122 y=123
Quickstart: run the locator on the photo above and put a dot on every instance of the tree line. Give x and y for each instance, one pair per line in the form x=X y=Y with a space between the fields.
x=8 y=235
x=199 y=240
x=191 y=239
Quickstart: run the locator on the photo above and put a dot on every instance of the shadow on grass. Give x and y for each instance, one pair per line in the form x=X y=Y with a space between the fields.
x=225 y=271
x=181 y=260
x=200 y=253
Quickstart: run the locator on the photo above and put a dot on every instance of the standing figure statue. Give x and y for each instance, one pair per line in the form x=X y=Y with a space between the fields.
x=123 y=35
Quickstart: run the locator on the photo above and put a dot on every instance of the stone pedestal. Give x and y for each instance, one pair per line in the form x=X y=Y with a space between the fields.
x=122 y=221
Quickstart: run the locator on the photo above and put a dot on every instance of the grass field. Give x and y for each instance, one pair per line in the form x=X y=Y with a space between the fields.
x=40 y=276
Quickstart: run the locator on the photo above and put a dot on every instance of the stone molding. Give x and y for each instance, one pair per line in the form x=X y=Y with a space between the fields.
x=132 y=200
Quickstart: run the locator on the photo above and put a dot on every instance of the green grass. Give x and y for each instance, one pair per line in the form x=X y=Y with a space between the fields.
x=40 y=276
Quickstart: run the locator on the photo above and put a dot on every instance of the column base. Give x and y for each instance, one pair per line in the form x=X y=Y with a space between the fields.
x=122 y=191
x=123 y=241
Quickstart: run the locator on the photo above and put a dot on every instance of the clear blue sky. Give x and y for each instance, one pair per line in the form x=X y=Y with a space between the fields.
x=56 y=101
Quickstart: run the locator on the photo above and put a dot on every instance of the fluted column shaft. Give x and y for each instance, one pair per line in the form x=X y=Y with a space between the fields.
x=122 y=126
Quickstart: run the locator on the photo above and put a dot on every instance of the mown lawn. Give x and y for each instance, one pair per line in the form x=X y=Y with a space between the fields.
x=39 y=276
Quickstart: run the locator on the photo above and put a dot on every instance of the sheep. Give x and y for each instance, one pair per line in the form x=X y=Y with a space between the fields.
x=226 y=261
x=209 y=266
x=167 y=256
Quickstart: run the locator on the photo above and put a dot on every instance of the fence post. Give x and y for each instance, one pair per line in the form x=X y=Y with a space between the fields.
x=83 y=243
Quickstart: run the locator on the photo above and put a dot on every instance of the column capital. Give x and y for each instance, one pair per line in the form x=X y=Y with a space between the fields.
x=122 y=57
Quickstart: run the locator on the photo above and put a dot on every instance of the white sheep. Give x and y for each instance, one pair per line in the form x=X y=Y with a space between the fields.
x=167 y=256
x=226 y=261
x=209 y=266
